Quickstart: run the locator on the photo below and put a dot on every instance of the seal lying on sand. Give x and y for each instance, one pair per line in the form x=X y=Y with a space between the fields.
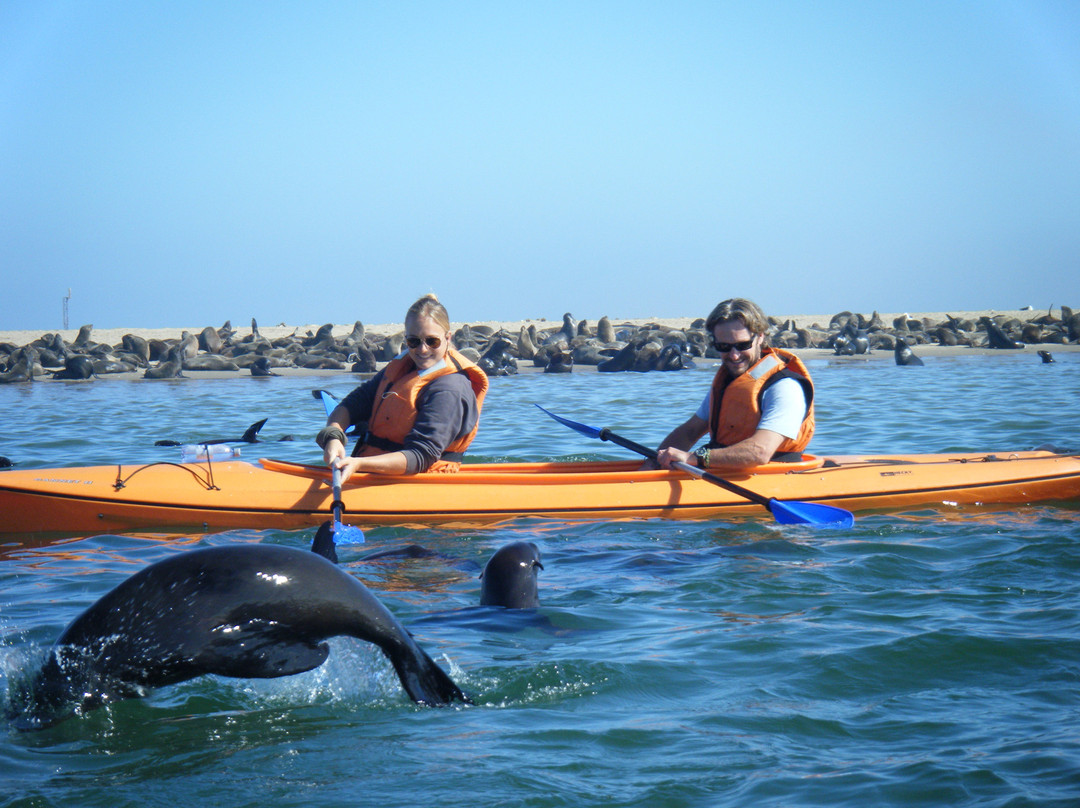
x=258 y=611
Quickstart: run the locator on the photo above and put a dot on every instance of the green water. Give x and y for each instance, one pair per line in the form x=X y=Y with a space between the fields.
x=921 y=658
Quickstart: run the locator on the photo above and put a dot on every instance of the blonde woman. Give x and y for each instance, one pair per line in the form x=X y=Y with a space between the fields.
x=422 y=410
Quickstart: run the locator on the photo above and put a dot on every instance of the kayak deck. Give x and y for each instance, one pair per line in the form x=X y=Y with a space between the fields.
x=284 y=495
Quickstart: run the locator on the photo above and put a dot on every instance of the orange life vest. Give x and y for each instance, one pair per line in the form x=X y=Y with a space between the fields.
x=394 y=411
x=735 y=404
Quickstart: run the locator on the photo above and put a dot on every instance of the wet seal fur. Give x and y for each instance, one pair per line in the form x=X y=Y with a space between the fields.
x=904 y=355
x=509 y=577
x=246 y=611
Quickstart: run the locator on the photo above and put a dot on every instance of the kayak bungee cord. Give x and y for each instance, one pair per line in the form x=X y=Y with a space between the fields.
x=206 y=480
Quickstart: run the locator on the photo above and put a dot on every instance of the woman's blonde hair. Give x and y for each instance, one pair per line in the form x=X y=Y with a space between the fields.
x=430 y=307
x=745 y=311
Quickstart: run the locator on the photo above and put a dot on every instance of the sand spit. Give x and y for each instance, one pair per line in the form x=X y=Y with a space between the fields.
x=295 y=348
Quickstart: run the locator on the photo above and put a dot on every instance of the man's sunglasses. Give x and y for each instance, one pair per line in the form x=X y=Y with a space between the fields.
x=741 y=347
x=431 y=342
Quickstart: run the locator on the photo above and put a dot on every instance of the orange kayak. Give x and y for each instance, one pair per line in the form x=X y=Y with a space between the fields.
x=284 y=495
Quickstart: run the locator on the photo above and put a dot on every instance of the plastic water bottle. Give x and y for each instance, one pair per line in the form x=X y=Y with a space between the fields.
x=197 y=452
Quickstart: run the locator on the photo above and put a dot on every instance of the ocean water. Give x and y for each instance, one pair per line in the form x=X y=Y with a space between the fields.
x=927 y=657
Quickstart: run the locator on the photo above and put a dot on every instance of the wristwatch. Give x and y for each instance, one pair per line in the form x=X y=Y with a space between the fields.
x=702 y=455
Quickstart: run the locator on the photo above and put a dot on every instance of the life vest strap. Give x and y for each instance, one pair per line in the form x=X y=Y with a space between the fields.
x=383 y=444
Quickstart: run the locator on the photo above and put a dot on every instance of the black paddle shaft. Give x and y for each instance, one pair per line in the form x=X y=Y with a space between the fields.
x=645 y=451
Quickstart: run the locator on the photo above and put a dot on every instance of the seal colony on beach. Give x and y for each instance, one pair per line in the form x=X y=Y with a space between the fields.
x=508 y=348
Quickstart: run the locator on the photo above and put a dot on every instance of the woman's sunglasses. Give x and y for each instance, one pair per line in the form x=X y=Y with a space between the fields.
x=741 y=347
x=431 y=342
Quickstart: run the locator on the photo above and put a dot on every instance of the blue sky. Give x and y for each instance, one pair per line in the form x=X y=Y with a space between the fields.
x=184 y=163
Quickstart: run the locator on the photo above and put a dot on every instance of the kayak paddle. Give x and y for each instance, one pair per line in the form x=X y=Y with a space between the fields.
x=329 y=401
x=786 y=513
x=333 y=532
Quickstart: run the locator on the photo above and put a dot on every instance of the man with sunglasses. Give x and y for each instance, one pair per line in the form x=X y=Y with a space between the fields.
x=421 y=411
x=761 y=403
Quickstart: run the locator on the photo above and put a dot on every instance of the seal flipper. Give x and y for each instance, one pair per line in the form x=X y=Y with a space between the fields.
x=323 y=543
x=424 y=681
x=251 y=435
x=266 y=660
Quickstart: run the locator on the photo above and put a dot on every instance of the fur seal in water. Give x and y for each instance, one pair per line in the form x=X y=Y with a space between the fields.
x=1046 y=357
x=509 y=577
x=251 y=435
x=904 y=355
x=245 y=611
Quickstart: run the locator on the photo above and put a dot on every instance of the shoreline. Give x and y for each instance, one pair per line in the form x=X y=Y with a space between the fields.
x=114 y=336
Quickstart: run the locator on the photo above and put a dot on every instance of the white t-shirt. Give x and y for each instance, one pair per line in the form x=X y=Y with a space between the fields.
x=783 y=407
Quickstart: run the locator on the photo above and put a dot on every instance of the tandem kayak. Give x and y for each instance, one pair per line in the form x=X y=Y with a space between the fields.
x=284 y=495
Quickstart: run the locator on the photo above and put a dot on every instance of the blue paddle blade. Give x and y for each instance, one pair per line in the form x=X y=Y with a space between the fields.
x=327 y=399
x=589 y=431
x=347 y=534
x=810 y=513
x=786 y=513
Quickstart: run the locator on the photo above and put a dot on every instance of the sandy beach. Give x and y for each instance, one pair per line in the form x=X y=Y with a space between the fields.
x=113 y=336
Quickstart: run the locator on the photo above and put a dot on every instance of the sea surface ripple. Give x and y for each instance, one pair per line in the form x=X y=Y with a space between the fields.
x=927 y=657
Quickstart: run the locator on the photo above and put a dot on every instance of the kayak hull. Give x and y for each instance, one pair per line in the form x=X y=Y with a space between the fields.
x=283 y=495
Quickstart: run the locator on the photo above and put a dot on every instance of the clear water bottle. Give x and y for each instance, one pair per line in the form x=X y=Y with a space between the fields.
x=198 y=452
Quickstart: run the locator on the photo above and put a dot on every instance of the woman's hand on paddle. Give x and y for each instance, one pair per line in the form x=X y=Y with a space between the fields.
x=347 y=465
x=333 y=451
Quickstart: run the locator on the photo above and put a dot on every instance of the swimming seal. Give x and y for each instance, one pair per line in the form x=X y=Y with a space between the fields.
x=509 y=577
x=258 y=611
x=904 y=355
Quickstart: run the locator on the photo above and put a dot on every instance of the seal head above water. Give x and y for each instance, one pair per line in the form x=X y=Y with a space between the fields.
x=509 y=578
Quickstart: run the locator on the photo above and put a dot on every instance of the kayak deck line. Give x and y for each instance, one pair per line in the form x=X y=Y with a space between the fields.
x=205 y=478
